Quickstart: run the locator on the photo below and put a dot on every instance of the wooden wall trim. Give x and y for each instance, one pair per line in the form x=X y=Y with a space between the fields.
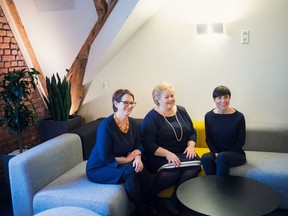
x=19 y=25
x=77 y=70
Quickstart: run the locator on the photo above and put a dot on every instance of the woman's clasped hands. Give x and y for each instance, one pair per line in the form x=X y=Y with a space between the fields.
x=135 y=156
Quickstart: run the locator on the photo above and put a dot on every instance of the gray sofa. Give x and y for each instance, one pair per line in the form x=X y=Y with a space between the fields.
x=52 y=175
x=267 y=158
x=266 y=149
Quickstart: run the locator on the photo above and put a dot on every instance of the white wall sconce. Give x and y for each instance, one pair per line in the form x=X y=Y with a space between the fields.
x=215 y=28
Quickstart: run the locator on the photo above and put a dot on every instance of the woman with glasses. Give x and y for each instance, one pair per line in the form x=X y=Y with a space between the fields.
x=116 y=158
x=169 y=140
x=225 y=135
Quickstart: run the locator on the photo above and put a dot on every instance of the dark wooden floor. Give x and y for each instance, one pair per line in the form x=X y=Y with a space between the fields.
x=6 y=207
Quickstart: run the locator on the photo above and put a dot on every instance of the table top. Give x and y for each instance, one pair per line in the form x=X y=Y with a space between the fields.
x=227 y=196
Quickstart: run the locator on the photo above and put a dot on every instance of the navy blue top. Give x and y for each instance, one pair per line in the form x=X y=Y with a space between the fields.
x=111 y=142
x=156 y=132
x=225 y=132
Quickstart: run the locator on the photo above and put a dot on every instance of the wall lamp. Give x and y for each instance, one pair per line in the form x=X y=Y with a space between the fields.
x=215 y=28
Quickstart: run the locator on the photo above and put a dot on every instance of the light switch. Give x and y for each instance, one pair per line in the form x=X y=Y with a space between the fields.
x=104 y=85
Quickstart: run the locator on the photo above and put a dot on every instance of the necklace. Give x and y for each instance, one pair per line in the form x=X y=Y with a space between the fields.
x=178 y=139
x=119 y=125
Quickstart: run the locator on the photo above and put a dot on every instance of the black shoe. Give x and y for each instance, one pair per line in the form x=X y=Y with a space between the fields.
x=170 y=206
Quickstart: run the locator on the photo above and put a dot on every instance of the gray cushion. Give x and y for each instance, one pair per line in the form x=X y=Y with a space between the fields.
x=67 y=211
x=269 y=168
x=268 y=138
x=74 y=189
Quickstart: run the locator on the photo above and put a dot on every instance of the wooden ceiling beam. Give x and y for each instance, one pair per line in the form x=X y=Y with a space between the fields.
x=77 y=70
x=101 y=8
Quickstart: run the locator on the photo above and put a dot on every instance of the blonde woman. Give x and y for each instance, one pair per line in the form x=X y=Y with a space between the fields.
x=169 y=140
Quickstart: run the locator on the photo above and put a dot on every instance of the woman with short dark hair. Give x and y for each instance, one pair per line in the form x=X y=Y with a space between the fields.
x=225 y=135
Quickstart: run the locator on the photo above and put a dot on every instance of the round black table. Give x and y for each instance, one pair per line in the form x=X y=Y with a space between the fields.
x=227 y=196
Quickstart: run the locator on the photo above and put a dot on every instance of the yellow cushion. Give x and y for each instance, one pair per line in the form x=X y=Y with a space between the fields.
x=201 y=151
x=200 y=130
x=166 y=193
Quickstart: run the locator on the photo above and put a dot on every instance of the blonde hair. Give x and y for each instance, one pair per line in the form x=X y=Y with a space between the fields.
x=159 y=89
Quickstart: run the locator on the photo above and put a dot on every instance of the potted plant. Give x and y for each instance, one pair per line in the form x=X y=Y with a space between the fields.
x=59 y=102
x=58 y=99
x=17 y=109
x=18 y=112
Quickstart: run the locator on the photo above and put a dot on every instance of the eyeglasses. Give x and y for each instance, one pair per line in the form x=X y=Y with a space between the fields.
x=127 y=103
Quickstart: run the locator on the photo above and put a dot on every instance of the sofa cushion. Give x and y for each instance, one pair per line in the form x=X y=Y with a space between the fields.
x=268 y=168
x=67 y=211
x=74 y=189
x=268 y=138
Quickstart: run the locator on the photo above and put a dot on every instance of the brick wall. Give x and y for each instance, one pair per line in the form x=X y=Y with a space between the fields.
x=11 y=58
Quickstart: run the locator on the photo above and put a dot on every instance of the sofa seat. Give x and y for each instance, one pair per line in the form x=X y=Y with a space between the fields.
x=53 y=174
x=269 y=168
x=74 y=189
x=67 y=211
x=265 y=147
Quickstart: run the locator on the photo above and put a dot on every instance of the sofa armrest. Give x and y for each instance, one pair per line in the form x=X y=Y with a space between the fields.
x=32 y=170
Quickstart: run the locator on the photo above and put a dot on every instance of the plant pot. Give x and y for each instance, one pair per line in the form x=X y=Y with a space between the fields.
x=49 y=129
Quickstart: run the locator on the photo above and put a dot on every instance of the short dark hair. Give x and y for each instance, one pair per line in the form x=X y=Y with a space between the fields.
x=220 y=91
x=117 y=96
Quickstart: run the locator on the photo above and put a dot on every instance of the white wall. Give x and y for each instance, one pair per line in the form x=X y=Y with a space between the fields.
x=56 y=35
x=167 y=48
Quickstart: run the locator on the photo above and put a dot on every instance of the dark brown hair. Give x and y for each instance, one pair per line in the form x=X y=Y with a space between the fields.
x=117 y=96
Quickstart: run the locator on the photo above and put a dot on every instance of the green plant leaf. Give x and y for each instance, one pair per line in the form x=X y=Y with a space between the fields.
x=59 y=97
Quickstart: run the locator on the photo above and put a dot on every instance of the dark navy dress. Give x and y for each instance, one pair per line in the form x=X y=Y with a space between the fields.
x=111 y=142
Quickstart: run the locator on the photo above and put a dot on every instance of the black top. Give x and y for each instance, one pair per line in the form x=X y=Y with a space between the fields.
x=225 y=132
x=156 y=132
